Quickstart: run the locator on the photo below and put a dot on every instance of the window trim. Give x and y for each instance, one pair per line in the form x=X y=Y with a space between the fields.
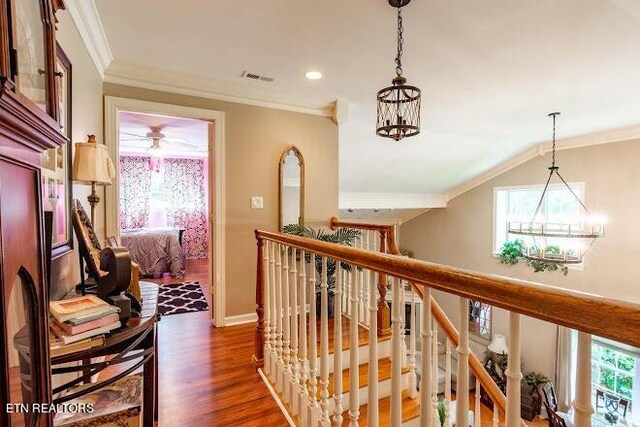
x=580 y=185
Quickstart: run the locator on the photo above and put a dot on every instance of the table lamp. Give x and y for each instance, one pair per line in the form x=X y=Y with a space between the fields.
x=92 y=165
x=499 y=345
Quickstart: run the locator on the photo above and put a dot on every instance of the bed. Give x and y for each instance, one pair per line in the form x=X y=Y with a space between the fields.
x=156 y=250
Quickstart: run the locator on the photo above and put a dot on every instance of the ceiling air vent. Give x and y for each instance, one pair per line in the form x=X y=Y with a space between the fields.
x=255 y=76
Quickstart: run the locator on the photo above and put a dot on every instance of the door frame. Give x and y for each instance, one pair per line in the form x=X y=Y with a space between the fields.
x=112 y=106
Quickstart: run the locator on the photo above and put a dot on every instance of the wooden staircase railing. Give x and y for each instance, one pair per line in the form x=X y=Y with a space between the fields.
x=387 y=232
x=283 y=263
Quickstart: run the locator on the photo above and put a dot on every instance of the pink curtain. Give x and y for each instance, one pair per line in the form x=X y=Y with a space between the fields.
x=186 y=198
x=135 y=184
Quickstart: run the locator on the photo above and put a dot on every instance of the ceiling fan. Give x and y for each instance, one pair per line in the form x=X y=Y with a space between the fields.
x=156 y=137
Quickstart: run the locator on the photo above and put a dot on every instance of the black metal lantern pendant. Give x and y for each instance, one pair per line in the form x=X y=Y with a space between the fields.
x=398 y=104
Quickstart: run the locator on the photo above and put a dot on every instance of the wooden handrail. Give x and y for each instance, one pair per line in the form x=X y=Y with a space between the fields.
x=488 y=384
x=592 y=314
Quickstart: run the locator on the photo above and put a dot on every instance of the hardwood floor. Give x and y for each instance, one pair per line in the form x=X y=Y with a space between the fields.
x=206 y=378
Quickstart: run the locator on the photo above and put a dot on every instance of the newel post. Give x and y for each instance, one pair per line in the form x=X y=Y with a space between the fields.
x=384 y=315
x=258 y=356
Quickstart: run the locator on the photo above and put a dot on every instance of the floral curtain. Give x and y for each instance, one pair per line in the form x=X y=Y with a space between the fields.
x=135 y=185
x=186 y=201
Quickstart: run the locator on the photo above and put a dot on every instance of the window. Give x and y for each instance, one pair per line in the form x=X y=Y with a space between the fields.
x=519 y=204
x=616 y=371
x=480 y=319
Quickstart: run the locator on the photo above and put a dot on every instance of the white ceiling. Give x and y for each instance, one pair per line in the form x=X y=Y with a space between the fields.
x=193 y=132
x=489 y=71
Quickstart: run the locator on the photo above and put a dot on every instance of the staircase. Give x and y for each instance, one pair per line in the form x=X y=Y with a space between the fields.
x=363 y=366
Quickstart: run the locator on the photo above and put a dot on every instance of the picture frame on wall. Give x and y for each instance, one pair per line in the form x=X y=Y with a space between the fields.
x=57 y=191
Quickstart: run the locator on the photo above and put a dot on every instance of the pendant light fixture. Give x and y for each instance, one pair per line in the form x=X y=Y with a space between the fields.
x=398 y=104
x=566 y=238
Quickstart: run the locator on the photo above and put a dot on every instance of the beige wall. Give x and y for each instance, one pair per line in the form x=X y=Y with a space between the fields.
x=461 y=235
x=87 y=118
x=255 y=140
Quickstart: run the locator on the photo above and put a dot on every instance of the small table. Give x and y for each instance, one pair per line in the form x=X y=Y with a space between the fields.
x=135 y=342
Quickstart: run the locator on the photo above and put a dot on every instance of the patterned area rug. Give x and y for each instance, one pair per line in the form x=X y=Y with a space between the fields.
x=181 y=298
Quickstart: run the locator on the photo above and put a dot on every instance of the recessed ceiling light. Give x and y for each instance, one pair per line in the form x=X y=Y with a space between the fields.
x=313 y=75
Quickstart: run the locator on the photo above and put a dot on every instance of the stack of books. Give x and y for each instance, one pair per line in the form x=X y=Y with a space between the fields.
x=80 y=323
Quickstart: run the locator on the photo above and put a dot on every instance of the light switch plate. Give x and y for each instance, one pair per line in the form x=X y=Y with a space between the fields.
x=257 y=202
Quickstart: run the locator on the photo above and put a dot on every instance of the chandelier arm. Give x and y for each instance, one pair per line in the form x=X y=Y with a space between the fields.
x=542 y=197
x=572 y=192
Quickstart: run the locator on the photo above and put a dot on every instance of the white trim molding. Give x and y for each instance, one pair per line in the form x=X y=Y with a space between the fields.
x=596 y=138
x=353 y=200
x=112 y=106
x=86 y=19
x=240 y=92
x=241 y=319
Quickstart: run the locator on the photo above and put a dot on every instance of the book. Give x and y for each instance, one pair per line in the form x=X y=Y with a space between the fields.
x=58 y=348
x=66 y=309
x=68 y=339
x=74 y=329
x=78 y=320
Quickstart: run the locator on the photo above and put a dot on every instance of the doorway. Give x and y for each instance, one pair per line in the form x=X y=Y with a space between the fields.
x=167 y=202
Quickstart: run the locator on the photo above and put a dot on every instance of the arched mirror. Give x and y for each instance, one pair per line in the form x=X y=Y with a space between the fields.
x=291 y=198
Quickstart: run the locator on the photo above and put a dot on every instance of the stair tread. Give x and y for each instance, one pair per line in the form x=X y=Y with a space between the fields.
x=384 y=373
x=363 y=335
x=410 y=410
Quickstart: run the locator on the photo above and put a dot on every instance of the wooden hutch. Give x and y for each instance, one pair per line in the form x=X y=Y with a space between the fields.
x=29 y=125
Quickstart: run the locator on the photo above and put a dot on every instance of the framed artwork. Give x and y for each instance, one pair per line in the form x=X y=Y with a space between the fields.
x=57 y=190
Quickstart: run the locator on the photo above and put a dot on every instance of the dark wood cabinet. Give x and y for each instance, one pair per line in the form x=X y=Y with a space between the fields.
x=28 y=127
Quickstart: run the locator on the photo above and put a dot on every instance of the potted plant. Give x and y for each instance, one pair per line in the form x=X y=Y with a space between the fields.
x=442 y=411
x=512 y=252
x=535 y=380
x=342 y=236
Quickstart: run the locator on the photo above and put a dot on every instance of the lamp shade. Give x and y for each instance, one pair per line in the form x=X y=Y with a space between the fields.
x=91 y=163
x=499 y=345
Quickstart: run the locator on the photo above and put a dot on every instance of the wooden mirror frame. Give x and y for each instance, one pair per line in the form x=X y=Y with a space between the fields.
x=284 y=155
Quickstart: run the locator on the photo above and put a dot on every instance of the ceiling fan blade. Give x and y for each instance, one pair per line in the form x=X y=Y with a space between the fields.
x=133 y=134
x=182 y=144
x=134 y=139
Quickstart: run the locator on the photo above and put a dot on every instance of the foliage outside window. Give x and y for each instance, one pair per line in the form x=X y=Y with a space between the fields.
x=617 y=373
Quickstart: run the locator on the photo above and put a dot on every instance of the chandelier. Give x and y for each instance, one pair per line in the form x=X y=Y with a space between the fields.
x=566 y=239
x=399 y=104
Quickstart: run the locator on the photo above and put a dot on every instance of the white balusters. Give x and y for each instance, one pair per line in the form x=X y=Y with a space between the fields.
x=372 y=405
x=267 y=309
x=477 y=418
x=426 y=380
x=413 y=378
x=513 y=374
x=434 y=365
x=286 y=342
x=314 y=408
x=582 y=404
x=396 y=354
x=447 y=382
x=462 y=389
x=295 y=362
x=324 y=346
x=337 y=347
x=354 y=371
x=280 y=316
x=359 y=278
x=304 y=361
x=496 y=416
x=275 y=313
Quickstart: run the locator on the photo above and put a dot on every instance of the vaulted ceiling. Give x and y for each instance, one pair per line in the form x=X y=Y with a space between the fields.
x=489 y=70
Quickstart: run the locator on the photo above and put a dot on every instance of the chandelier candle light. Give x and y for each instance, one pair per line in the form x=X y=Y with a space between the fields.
x=398 y=104
x=568 y=236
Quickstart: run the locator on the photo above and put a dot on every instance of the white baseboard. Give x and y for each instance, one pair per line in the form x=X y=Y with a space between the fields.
x=240 y=319
x=277 y=399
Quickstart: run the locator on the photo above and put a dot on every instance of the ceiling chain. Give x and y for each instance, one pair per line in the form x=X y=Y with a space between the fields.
x=400 y=42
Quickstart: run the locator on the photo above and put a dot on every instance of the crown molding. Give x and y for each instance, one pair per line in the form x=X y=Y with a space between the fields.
x=86 y=19
x=587 y=140
x=352 y=200
x=222 y=90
